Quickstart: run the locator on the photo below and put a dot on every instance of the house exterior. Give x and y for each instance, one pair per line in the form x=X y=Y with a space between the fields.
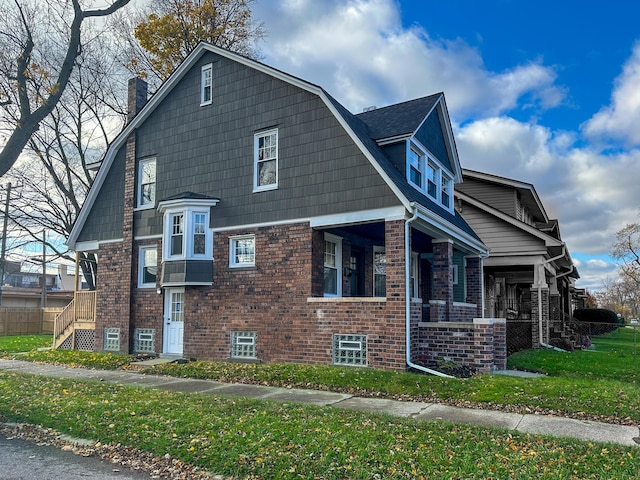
x=245 y=214
x=529 y=277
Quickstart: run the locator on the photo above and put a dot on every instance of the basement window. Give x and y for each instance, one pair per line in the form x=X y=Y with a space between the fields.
x=350 y=350
x=244 y=344
x=111 y=340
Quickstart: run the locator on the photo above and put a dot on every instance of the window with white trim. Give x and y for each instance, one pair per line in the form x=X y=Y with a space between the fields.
x=379 y=272
x=332 y=266
x=176 y=240
x=427 y=175
x=147 y=266
x=445 y=191
x=146 y=183
x=416 y=168
x=199 y=233
x=206 y=84
x=432 y=181
x=266 y=160
x=186 y=233
x=242 y=251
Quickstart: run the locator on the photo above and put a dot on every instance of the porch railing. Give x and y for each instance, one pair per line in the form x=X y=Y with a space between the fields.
x=81 y=311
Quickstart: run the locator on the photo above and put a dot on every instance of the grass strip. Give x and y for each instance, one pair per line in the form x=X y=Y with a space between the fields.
x=260 y=439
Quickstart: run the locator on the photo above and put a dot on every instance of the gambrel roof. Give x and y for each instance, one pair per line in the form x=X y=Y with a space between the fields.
x=366 y=131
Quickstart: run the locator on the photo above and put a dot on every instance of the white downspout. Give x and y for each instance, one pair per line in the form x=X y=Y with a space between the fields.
x=546 y=262
x=407 y=294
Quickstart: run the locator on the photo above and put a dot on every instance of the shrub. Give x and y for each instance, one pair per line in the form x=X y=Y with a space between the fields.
x=605 y=320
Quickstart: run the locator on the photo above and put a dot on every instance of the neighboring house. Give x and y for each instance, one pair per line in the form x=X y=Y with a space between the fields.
x=243 y=213
x=529 y=276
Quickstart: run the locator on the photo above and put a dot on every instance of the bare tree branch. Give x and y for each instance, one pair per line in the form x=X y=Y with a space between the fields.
x=29 y=119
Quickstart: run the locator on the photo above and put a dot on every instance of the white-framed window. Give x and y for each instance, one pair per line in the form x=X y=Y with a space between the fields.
x=206 y=84
x=266 y=160
x=379 y=272
x=199 y=233
x=146 y=183
x=416 y=168
x=350 y=349
x=332 y=265
x=186 y=233
x=147 y=266
x=242 y=251
x=176 y=238
x=426 y=174
x=432 y=181
x=445 y=191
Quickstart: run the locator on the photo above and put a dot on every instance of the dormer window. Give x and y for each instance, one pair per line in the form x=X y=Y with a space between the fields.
x=426 y=174
x=206 y=84
x=445 y=194
x=416 y=167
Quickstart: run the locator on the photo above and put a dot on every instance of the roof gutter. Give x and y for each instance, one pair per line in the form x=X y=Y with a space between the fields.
x=407 y=295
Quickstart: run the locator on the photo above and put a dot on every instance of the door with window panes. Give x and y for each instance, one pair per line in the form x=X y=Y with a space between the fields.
x=174 y=321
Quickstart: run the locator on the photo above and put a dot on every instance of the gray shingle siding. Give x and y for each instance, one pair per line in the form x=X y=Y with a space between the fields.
x=430 y=135
x=210 y=150
x=104 y=222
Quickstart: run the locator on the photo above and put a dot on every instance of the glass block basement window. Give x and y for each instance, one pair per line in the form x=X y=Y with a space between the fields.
x=243 y=344
x=111 y=339
x=350 y=349
x=144 y=340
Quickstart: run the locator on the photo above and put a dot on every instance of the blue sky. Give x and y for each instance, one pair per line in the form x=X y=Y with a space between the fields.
x=543 y=92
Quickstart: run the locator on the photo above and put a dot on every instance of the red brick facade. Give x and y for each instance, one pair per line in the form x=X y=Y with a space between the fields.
x=281 y=300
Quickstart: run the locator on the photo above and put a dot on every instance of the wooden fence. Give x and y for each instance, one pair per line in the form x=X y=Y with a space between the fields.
x=27 y=321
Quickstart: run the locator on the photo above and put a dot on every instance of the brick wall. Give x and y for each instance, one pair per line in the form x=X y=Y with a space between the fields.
x=117 y=275
x=274 y=300
x=480 y=344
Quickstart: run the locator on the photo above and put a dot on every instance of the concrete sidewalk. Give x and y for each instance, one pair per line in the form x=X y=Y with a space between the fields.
x=527 y=423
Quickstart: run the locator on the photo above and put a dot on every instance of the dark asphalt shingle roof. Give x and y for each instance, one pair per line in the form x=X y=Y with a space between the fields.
x=398 y=119
x=362 y=130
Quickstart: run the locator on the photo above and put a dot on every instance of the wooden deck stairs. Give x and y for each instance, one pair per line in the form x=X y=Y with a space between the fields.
x=75 y=326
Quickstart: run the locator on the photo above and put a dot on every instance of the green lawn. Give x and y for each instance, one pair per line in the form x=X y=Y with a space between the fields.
x=257 y=439
x=261 y=439
x=601 y=383
x=23 y=343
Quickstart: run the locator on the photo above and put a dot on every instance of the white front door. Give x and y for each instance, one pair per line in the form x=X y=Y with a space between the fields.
x=173 y=321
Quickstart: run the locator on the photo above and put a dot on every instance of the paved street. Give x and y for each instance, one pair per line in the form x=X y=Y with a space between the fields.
x=23 y=460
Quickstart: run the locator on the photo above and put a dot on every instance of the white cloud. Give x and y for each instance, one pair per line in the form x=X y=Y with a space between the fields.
x=360 y=52
x=592 y=194
x=621 y=119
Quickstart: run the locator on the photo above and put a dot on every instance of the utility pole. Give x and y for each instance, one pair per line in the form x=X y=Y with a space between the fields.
x=43 y=299
x=3 y=248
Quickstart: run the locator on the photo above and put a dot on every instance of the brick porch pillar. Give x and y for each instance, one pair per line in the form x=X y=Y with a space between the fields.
x=442 y=281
